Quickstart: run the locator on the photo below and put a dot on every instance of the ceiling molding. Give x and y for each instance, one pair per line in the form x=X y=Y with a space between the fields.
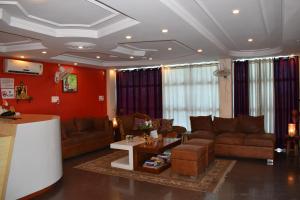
x=256 y=53
x=128 y=51
x=192 y=21
x=22 y=47
x=72 y=32
x=206 y=11
x=264 y=18
x=117 y=26
x=78 y=59
x=97 y=3
x=137 y=48
x=24 y=40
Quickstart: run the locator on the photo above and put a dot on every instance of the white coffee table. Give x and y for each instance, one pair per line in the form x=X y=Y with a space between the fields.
x=126 y=162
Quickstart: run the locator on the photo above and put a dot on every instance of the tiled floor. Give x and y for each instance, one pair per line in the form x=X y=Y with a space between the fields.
x=249 y=179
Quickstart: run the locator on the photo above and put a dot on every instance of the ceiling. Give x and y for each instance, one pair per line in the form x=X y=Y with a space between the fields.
x=93 y=32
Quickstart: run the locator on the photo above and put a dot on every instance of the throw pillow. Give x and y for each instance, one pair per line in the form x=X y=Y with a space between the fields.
x=166 y=125
x=225 y=124
x=251 y=125
x=156 y=124
x=84 y=124
x=203 y=123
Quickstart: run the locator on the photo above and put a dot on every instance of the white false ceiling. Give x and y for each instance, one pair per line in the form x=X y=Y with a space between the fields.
x=28 y=27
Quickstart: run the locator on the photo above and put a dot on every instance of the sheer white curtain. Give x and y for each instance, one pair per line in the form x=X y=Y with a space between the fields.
x=261 y=91
x=190 y=91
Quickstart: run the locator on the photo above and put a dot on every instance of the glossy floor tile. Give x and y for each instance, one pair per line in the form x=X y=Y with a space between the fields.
x=250 y=179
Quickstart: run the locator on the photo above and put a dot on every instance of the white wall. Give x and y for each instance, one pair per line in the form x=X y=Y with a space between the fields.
x=225 y=90
x=111 y=93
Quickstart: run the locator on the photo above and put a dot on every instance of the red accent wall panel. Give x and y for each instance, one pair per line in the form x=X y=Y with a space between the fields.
x=84 y=103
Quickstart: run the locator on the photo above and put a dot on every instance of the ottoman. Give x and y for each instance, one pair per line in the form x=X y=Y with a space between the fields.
x=210 y=148
x=188 y=160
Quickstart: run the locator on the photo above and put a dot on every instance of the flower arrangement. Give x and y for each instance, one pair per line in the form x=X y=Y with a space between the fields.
x=146 y=125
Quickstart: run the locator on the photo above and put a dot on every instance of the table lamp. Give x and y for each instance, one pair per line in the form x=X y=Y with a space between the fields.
x=115 y=122
x=291 y=129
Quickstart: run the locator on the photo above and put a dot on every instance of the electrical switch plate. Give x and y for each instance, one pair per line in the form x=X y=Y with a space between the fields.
x=101 y=98
x=55 y=99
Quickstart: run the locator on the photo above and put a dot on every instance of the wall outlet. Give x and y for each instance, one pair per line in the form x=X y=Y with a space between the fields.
x=55 y=99
x=101 y=98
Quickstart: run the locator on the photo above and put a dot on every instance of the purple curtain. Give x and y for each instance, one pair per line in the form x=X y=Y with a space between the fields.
x=241 y=89
x=286 y=75
x=140 y=90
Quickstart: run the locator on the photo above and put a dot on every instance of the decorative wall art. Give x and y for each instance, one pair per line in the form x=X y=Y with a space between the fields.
x=70 y=83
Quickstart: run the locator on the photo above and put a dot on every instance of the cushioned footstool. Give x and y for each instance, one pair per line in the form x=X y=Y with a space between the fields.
x=210 y=148
x=188 y=160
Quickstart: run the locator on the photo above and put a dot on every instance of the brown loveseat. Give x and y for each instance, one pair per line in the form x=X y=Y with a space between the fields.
x=243 y=136
x=126 y=125
x=84 y=135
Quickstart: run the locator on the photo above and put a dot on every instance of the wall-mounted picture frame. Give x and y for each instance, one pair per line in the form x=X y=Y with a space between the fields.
x=70 y=83
x=21 y=91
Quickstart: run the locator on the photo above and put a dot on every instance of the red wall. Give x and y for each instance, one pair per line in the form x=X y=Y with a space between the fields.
x=91 y=84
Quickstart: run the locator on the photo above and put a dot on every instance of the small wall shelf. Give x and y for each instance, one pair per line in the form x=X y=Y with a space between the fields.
x=26 y=99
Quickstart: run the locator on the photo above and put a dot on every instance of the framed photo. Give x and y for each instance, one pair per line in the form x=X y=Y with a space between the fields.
x=21 y=92
x=70 y=83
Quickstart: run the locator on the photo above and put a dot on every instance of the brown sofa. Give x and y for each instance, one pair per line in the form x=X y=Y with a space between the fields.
x=126 y=124
x=243 y=136
x=84 y=135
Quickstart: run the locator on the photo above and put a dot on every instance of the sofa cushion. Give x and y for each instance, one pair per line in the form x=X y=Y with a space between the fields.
x=68 y=127
x=201 y=123
x=84 y=124
x=166 y=125
x=225 y=124
x=99 y=123
x=260 y=140
x=202 y=135
x=251 y=125
x=231 y=138
x=82 y=137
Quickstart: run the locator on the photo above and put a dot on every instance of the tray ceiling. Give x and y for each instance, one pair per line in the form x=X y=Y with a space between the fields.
x=28 y=27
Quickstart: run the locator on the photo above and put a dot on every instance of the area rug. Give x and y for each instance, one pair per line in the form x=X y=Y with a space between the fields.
x=209 y=181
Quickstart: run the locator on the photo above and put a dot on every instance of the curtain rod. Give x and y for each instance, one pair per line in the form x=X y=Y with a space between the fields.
x=264 y=58
x=173 y=65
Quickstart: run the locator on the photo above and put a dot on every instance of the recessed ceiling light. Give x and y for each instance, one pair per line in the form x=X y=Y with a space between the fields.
x=131 y=57
x=292 y=55
x=44 y=52
x=128 y=37
x=235 y=11
x=169 y=49
x=75 y=64
x=250 y=40
x=22 y=56
x=150 y=58
x=199 y=50
x=98 y=57
x=164 y=30
x=80 y=47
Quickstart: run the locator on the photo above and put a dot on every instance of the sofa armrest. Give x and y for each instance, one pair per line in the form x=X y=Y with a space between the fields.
x=108 y=127
x=179 y=130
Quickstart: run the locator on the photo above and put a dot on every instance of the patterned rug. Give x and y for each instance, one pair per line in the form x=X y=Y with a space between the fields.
x=209 y=181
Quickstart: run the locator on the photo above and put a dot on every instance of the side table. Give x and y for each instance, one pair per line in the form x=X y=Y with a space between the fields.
x=293 y=145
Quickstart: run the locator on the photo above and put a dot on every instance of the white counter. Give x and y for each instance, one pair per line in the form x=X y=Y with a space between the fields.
x=36 y=160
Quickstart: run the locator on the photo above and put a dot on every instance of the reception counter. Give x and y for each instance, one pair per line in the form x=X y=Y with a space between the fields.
x=30 y=155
